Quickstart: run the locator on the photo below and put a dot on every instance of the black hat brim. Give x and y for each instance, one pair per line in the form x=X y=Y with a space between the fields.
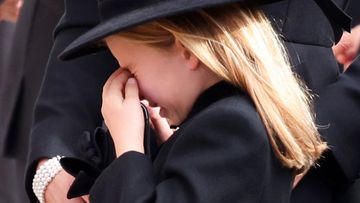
x=89 y=42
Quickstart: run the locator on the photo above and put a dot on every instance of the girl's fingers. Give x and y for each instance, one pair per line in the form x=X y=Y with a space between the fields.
x=163 y=129
x=119 y=82
x=160 y=124
x=111 y=78
x=117 y=85
x=131 y=89
x=146 y=103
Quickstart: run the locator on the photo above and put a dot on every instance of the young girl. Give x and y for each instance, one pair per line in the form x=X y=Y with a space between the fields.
x=221 y=75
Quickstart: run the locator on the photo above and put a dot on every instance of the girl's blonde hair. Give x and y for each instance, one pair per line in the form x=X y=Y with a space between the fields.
x=238 y=43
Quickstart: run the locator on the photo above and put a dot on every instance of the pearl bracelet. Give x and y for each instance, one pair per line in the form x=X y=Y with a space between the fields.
x=44 y=176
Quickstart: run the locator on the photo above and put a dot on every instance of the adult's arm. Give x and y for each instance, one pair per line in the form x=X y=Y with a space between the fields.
x=69 y=102
x=353 y=10
x=348 y=47
x=338 y=106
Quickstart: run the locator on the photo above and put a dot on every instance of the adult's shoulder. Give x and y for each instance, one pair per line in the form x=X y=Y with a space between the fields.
x=79 y=14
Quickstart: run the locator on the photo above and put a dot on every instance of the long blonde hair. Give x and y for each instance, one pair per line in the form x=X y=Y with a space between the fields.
x=238 y=43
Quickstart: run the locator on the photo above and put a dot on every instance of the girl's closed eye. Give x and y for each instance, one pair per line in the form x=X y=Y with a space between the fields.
x=131 y=70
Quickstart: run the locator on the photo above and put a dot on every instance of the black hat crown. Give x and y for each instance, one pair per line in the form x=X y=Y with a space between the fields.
x=117 y=15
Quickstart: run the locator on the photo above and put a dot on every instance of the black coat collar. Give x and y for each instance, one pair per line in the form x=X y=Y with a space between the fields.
x=214 y=93
x=211 y=95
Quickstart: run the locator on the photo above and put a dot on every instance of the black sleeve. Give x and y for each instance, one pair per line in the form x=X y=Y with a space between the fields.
x=224 y=157
x=70 y=98
x=353 y=10
x=338 y=109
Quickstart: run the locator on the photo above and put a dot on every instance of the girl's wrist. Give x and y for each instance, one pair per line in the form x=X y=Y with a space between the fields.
x=123 y=148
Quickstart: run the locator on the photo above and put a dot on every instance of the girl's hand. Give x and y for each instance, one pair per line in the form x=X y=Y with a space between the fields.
x=122 y=112
x=158 y=123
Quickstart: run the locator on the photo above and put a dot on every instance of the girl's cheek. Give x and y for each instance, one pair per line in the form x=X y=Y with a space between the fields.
x=142 y=94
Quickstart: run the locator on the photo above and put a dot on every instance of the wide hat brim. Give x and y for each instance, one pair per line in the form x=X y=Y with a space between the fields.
x=89 y=41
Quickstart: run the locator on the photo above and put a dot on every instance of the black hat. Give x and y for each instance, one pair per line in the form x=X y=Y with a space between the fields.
x=117 y=15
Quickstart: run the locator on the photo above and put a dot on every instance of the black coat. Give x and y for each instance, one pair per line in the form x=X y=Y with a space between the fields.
x=6 y=35
x=338 y=107
x=338 y=175
x=353 y=10
x=69 y=101
x=221 y=153
x=64 y=113
x=6 y=167
x=21 y=73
